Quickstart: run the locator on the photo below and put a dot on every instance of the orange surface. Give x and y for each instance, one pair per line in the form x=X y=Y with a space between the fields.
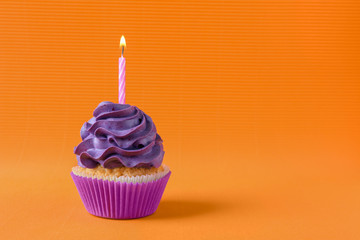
x=257 y=102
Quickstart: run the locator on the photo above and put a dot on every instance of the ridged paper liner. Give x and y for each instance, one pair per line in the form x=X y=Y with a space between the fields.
x=120 y=200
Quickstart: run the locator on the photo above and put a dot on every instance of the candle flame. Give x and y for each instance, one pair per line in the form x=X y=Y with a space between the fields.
x=122 y=42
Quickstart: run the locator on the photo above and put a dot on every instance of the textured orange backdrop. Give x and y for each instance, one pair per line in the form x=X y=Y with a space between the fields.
x=257 y=102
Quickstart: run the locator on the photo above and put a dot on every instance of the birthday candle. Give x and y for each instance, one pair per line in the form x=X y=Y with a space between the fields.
x=122 y=64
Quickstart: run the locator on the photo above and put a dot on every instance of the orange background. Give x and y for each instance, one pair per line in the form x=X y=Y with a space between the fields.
x=257 y=103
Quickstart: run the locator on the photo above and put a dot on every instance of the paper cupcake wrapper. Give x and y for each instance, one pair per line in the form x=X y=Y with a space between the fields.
x=120 y=200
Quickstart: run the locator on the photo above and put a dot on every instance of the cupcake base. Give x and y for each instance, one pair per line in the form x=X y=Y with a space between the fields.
x=120 y=200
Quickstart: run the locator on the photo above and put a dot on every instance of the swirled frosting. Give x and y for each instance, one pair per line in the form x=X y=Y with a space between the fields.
x=119 y=135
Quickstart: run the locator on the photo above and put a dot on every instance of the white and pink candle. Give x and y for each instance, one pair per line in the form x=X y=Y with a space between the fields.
x=122 y=64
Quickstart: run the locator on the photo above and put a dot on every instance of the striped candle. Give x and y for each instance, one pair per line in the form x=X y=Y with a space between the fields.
x=122 y=80
x=122 y=64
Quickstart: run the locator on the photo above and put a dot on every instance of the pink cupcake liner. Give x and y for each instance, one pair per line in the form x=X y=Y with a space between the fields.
x=120 y=200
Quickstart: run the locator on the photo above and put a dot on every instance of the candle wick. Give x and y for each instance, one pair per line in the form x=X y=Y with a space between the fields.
x=122 y=51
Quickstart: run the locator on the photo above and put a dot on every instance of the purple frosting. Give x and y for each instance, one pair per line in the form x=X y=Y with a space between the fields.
x=119 y=135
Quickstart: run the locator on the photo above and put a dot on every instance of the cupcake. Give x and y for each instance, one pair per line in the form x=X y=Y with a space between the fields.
x=120 y=173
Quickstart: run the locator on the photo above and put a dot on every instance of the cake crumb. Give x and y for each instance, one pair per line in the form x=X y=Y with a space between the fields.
x=101 y=172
